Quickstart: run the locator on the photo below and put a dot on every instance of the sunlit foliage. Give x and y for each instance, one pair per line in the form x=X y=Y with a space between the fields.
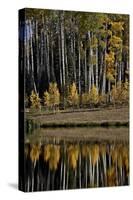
x=35 y=100
x=34 y=153
x=93 y=95
x=73 y=97
x=73 y=153
x=52 y=155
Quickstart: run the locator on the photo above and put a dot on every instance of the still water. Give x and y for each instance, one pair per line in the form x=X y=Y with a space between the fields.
x=53 y=164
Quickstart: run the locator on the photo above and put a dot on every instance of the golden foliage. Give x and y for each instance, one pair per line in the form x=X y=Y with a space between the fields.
x=34 y=153
x=35 y=100
x=52 y=155
x=110 y=76
x=111 y=176
x=85 y=98
x=116 y=43
x=125 y=158
x=110 y=58
x=52 y=96
x=95 y=153
x=73 y=97
x=120 y=156
x=117 y=26
x=120 y=93
x=93 y=95
x=102 y=149
x=47 y=152
x=102 y=98
x=73 y=153
x=114 y=155
x=85 y=150
x=46 y=98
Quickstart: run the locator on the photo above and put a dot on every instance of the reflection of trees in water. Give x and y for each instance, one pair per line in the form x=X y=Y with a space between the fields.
x=80 y=165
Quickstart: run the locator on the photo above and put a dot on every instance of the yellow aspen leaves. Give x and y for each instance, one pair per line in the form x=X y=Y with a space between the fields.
x=34 y=153
x=73 y=97
x=73 y=153
x=35 y=100
x=52 y=155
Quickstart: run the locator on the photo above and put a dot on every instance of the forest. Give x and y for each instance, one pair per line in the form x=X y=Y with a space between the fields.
x=74 y=59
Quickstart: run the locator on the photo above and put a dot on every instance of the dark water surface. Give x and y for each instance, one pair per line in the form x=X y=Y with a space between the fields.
x=54 y=163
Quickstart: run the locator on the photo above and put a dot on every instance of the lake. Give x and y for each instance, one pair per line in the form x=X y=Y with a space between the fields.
x=70 y=158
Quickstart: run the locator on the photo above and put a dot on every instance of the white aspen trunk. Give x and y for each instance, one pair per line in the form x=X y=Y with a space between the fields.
x=37 y=48
x=62 y=49
x=90 y=171
x=28 y=184
x=97 y=68
x=32 y=184
x=109 y=88
x=105 y=171
x=93 y=174
x=60 y=61
x=64 y=170
x=101 y=71
x=79 y=70
x=42 y=55
x=92 y=71
x=66 y=64
x=86 y=174
x=74 y=63
x=52 y=59
x=80 y=170
x=92 y=76
x=61 y=175
x=89 y=77
x=97 y=169
x=119 y=72
x=32 y=58
x=85 y=72
x=104 y=67
x=64 y=175
x=67 y=179
x=52 y=63
x=27 y=49
x=104 y=76
x=47 y=51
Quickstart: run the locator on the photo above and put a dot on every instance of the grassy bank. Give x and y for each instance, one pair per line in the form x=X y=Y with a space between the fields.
x=84 y=118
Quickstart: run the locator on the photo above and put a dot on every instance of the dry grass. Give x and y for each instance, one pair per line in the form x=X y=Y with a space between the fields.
x=104 y=115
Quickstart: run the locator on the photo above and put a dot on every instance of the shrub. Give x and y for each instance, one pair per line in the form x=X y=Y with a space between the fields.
x=35 y=100
x=73 y=97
